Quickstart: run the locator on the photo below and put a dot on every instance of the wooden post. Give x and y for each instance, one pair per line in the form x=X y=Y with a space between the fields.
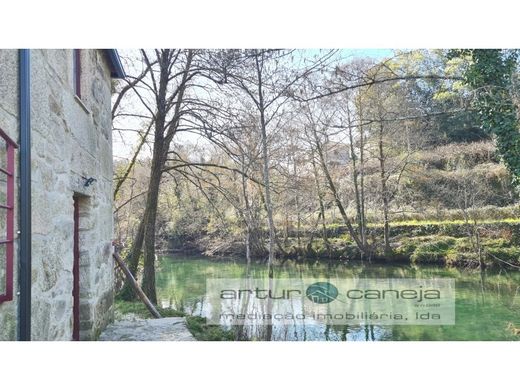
x=140 y=293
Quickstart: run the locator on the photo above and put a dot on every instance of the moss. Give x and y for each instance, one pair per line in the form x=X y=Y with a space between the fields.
x=406 y=246
x=204 y=332
x=456 y=228
x=434 y=251
x=511 y=254
x=497 y=243
x=446 y=249
x=446 y=244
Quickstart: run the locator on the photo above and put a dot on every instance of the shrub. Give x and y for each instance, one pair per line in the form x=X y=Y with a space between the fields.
x=434 y=251
x=407 y=245
x=428 y=257
x=511 y=254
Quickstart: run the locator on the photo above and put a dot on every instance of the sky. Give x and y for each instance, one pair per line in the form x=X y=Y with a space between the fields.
x=374 y=53
x=123 y=143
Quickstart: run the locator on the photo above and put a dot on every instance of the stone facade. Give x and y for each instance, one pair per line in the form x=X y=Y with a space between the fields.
x=71 y=140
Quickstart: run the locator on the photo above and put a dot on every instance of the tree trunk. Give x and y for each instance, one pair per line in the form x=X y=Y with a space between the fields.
x=267 y=187
x=357 y=180
x=265 y=157
x=298 y=213
x=357 y=194
x=320 y=201
x=384 y=192
x=148 y=283
x=160 y=149
x=132 y=260
x=164 y=132
x=337 y=199
x=247 y=215
x=362 y=184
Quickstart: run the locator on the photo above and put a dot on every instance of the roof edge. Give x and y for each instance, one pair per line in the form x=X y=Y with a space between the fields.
x=116 y=67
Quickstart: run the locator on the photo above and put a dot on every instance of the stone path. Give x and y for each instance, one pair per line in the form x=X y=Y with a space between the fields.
x=162 y=329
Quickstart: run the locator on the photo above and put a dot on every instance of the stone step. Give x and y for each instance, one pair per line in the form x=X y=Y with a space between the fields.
x=162 y=329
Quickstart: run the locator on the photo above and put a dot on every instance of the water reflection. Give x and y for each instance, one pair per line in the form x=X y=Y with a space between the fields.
x=486 y=302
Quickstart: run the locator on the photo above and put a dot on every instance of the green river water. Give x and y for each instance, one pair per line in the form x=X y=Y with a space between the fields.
x=486 y=303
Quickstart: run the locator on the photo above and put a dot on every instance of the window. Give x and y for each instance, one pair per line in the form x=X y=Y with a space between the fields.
x=76 y=66
x=7 y=146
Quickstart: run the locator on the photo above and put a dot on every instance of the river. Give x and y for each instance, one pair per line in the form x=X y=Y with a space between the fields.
x=485 y=303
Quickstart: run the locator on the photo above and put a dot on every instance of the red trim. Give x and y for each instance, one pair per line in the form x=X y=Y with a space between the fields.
x=75 y=273
x=9 y=236
x=77 y=72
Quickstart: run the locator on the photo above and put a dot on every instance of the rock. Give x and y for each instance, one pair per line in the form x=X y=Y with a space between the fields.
x=162 y=329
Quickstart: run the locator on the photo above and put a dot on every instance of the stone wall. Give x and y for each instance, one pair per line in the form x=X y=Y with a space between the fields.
x=71 y=139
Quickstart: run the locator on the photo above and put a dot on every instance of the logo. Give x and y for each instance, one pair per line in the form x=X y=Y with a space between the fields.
x=321 y=292
x=335 y=301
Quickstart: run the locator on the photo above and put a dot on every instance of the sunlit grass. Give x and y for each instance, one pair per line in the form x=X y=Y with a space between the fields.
x=413 y=222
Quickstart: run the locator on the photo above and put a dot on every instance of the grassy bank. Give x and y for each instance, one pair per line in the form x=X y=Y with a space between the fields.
x=450 y=243
x=196 y=325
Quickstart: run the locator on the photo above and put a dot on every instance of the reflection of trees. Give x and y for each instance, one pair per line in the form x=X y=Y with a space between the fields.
x=269 y=306
x=240 y=329
x=485 y=301
x=300 y=268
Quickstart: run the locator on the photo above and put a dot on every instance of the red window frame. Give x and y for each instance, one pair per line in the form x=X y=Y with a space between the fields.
x=8 y=240
x=77 y=71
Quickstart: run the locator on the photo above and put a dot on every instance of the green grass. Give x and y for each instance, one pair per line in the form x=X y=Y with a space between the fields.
x=431 y=242
x=446 y=250
x=454 y=222
x=138 y=308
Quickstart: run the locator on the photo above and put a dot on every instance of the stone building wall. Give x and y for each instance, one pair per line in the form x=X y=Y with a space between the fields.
x=71 y=139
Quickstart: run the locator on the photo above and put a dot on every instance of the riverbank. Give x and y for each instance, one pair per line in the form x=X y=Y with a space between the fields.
x=448 y=243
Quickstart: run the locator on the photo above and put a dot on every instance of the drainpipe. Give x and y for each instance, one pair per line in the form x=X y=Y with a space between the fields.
x=24 y=273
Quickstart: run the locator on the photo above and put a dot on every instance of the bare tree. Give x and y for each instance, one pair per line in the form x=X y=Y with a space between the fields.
x=318 y=124
x=265 y=80
x=161 y=91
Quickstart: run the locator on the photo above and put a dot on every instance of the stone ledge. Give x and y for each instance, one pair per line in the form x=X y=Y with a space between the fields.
x=162 y=329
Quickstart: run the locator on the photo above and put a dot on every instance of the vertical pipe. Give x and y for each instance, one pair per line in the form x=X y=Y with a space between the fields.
x=77 y=72
x=24 y=274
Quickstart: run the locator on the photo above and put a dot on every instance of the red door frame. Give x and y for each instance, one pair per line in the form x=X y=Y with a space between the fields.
x=75 y=273
x=9 y=206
